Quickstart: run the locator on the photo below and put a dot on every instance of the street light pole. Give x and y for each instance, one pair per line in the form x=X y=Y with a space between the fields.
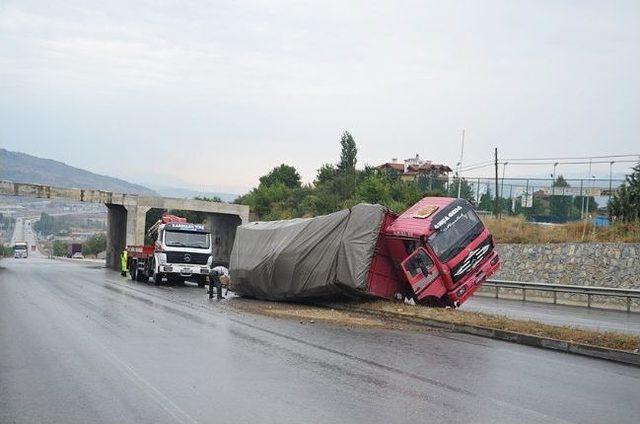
x=496 y=204
x=584 y=228
x=553 y=177
x=584 y=210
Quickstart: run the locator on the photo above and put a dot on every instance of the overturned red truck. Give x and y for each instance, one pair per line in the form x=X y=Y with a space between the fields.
x=437 y=253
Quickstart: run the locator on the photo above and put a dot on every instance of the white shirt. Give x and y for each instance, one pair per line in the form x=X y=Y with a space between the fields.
x=221 y=270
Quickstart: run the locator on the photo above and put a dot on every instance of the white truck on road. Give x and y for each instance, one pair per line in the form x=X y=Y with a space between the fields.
x=181 y=251
x=20 y=250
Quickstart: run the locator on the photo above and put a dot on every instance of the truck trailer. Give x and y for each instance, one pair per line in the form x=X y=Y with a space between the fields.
x=181 y=251
x=438 y=252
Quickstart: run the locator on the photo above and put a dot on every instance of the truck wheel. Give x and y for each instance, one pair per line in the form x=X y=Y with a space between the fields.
x=434 y=302
x=157 y=278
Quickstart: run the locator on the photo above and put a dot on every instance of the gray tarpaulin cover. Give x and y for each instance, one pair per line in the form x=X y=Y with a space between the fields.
x=308 y=257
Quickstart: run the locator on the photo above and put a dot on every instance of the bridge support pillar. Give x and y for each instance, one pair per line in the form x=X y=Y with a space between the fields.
x=116 y=234
x=223 y=232
x=136 y=220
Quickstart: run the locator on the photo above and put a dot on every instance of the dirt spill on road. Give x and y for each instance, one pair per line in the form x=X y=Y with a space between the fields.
x=309 y=315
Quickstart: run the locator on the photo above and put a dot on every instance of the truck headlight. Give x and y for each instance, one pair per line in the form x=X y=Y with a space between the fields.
x=210 y=260
x=162 y=258
x=461 y=291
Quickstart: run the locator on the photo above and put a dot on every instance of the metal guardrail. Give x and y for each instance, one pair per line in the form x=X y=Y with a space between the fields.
x=589 y=291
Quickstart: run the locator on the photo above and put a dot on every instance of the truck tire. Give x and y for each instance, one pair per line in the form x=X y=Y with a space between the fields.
x=157 y=278
x=434 y=302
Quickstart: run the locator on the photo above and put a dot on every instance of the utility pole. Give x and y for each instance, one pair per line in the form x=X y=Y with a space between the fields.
x=496 y=206
x=460 y=164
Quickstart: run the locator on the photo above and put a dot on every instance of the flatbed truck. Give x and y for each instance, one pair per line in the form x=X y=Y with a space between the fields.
x=181 y=251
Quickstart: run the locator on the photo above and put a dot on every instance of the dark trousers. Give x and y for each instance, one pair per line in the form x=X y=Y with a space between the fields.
x=214 y=281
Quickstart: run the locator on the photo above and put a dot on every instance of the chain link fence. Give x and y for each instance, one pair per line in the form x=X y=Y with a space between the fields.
x=543 y=199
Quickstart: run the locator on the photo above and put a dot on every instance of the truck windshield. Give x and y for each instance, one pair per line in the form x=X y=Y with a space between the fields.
x=186 y=239
x=459 y=231
x=20 y=247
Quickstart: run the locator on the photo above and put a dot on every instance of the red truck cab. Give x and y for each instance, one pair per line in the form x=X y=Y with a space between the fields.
x=441 y=249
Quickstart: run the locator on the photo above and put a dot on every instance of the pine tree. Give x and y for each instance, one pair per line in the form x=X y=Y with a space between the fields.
x=348 y=154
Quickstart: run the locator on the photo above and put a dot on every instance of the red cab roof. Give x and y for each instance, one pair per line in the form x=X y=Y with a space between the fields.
x=415 y=222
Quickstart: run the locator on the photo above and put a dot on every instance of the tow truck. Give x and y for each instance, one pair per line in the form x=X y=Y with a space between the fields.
x=181 y=251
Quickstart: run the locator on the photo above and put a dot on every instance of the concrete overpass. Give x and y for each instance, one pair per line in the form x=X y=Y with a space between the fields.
x=126 y=216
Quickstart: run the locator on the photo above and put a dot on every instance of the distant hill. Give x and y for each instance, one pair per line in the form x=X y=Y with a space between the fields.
x=23 y=168
x=186 y=193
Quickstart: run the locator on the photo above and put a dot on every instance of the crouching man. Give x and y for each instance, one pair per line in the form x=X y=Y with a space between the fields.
x=218 y=276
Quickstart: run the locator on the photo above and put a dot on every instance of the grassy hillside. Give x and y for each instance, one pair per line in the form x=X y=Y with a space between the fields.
x=20 y=167
x=517 y=230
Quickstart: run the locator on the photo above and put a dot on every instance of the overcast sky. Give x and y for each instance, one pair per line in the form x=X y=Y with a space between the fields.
x=204 y=93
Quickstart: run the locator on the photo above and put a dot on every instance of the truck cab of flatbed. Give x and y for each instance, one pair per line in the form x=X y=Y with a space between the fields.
x=181 y=251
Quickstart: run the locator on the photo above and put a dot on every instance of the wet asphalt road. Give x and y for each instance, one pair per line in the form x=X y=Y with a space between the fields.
x=575 y=316
x=78 y=343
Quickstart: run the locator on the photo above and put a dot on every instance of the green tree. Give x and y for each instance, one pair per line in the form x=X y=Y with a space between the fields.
x=348 y=153
x=374 y=189
x=5 y=250
x=7 y=223
x=210 y=199
x=560 y=205
x=45 y=225
x=335 y=187
x=95 y=244
x=431 y=182
x=60 y=248
x=405 y=194
x=466 y=192
x=391 y=174
x=625 y=203
x=486 y=201
x=283 y=174
x=326 y=174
